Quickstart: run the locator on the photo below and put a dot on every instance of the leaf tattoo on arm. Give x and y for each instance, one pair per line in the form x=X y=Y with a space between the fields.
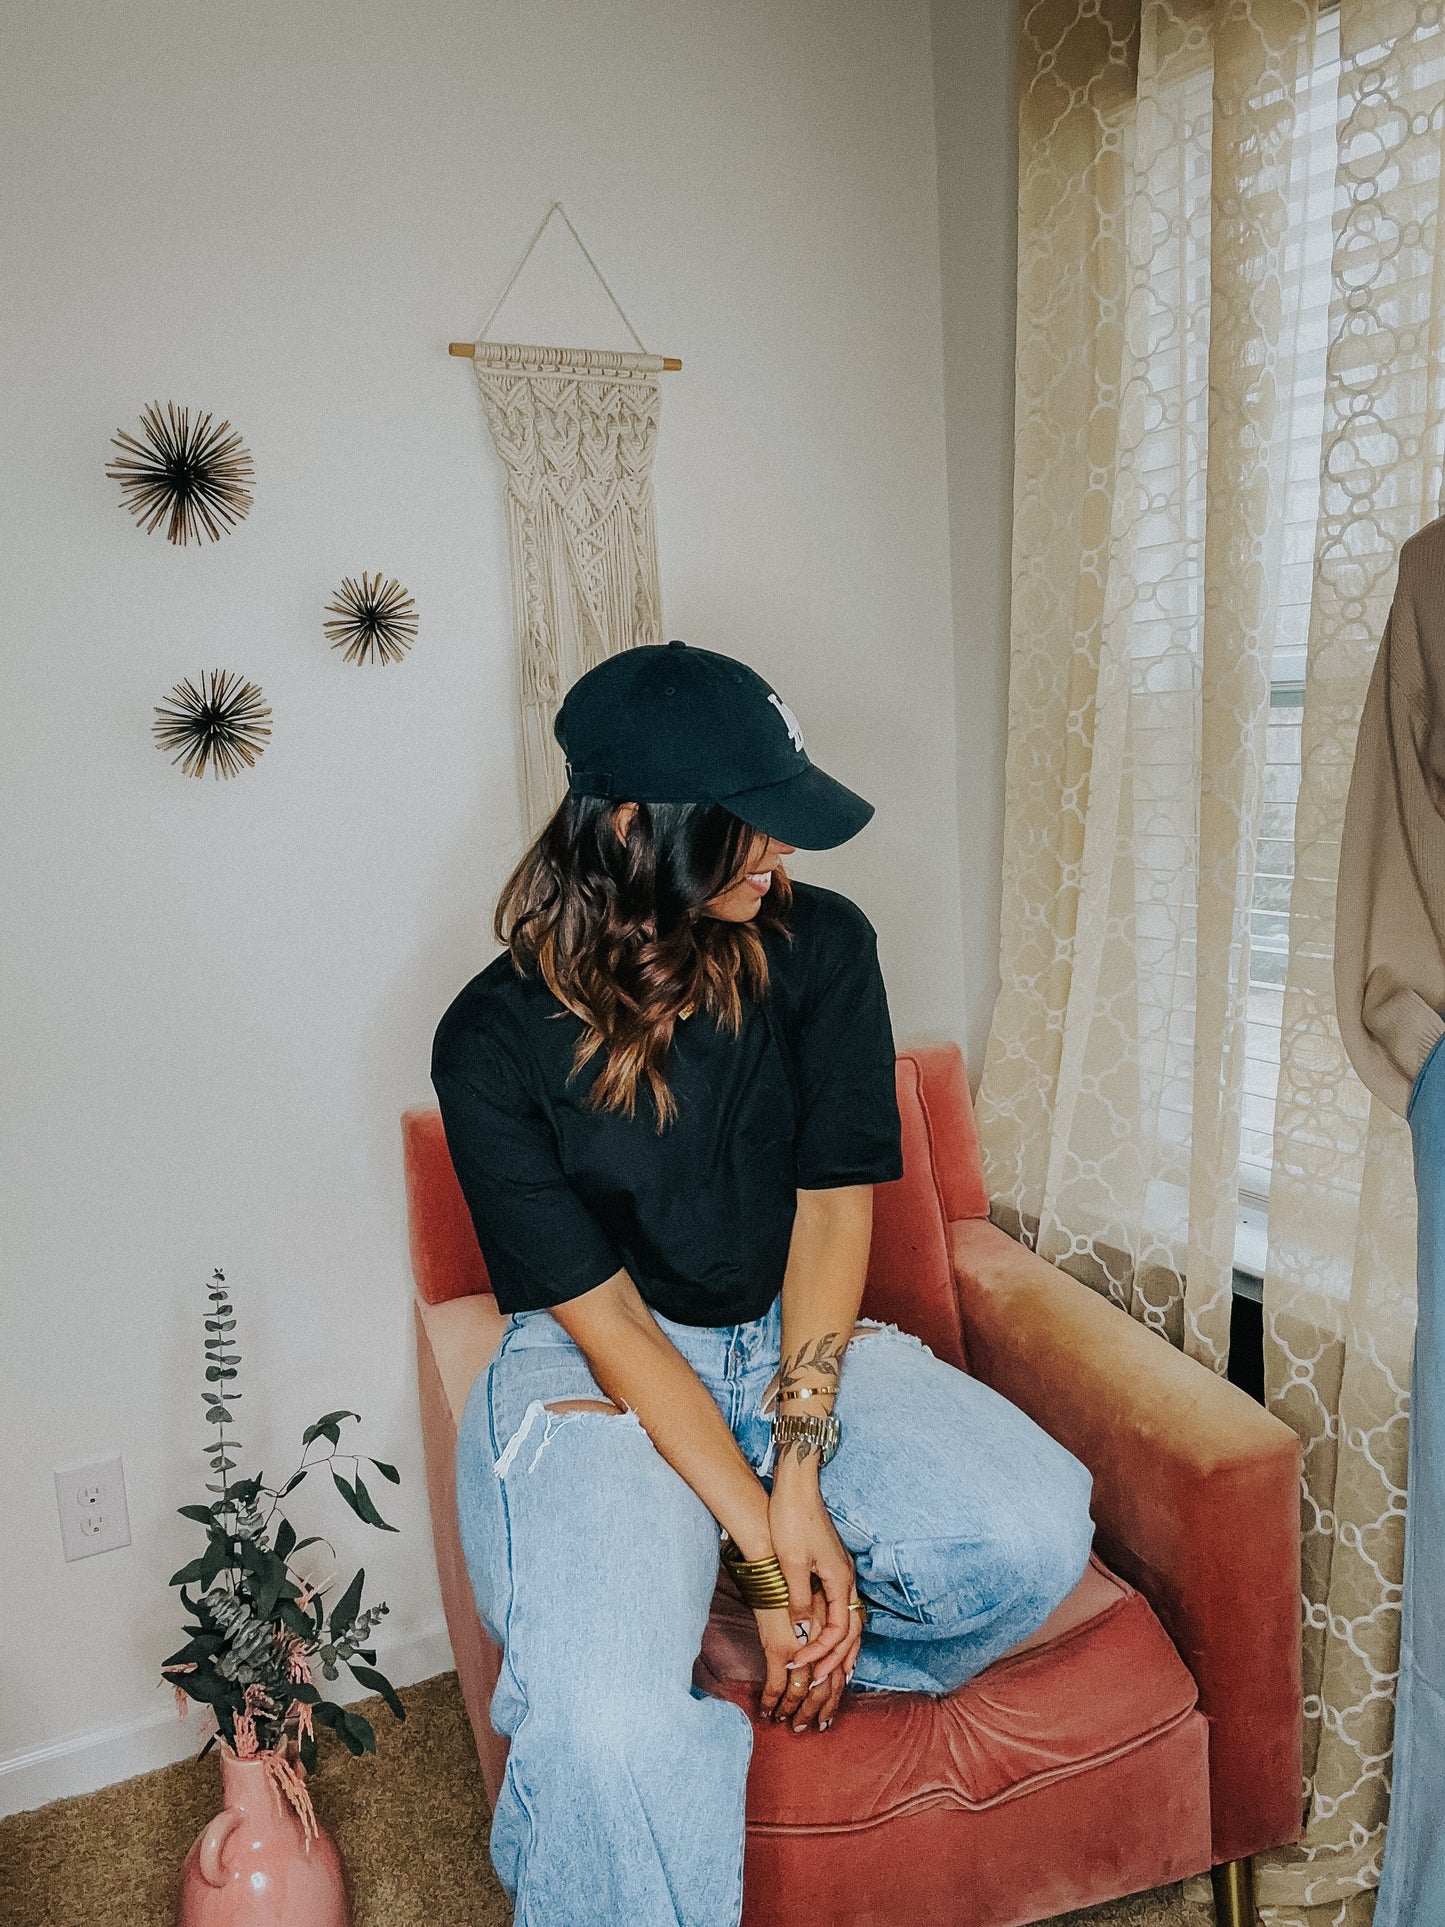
x=824 y=1360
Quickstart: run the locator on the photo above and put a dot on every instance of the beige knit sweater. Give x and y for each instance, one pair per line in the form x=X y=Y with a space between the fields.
x=1390 y=911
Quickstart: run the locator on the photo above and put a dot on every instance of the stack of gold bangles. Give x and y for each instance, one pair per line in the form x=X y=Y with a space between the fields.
x=760 y=1581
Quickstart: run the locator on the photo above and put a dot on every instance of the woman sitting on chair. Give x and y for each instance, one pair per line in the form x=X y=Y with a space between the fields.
x=667 y=1102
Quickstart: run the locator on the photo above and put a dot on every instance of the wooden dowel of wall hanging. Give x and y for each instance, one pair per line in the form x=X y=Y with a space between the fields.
x=670 y=363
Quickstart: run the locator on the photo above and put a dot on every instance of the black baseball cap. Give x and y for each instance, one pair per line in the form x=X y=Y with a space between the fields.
x=666 y=723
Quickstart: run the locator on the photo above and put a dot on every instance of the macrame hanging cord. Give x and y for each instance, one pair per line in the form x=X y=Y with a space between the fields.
x=576 y=429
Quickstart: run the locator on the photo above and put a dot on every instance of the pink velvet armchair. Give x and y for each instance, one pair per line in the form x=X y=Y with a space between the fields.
x=1149 y=1731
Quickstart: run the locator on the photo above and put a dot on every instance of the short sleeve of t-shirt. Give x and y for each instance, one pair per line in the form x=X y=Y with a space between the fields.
x=541 y=1244
x=848 y=1127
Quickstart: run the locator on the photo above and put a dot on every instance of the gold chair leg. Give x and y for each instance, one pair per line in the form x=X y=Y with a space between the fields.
x=1234 y=1894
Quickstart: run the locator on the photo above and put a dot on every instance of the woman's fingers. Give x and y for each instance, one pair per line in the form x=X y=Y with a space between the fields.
x=779 y=1642
x=839 y=1664
x=835 y=1577
x=844 y=1656
x=818 y=1705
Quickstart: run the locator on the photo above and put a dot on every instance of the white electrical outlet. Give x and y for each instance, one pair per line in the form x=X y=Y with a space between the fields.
x=93 y=1517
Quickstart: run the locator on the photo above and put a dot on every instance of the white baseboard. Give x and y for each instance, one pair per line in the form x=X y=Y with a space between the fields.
x=82 y=1762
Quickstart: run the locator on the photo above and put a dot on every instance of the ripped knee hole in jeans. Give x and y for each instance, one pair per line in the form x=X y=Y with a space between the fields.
x=555 y=1414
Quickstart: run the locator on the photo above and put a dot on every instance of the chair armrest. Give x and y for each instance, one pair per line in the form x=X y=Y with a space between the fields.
x=1196 y=1502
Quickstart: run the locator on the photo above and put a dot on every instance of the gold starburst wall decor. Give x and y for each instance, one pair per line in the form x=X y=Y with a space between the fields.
x=372 y=621
x=192 y=478
x=222 y=726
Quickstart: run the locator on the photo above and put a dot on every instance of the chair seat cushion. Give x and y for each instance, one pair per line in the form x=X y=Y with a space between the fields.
x=1098 y=1680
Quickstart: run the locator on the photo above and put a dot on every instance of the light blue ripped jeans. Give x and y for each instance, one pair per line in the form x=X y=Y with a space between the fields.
x=593 y=1563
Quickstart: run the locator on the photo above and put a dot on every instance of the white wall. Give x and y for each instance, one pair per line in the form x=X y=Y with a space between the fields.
x=977 y=131
x=218 y=997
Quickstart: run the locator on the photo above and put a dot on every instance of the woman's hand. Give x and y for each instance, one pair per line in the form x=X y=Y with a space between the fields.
x=805 y=1680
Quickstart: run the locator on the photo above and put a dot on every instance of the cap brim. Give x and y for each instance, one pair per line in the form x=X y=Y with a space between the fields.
x=811 y=810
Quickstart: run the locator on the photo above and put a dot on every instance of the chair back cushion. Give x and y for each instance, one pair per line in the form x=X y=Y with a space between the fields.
x=910 y=1277
x=954 y=1135
x=446 y=1259
x=910 y=1270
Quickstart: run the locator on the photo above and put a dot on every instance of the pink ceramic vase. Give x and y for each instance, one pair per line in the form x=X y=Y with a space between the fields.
x=257 y=1864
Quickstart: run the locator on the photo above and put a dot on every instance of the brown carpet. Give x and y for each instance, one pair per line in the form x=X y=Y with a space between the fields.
x=411 y=1824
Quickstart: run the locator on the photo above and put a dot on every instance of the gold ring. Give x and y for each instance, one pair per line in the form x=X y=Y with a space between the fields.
x=856 y=1606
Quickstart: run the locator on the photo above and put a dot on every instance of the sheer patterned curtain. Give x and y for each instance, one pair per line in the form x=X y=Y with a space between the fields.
x=1161 y=161
x=1229 y=416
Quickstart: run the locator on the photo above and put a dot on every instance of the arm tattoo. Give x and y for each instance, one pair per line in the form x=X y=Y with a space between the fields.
x=824 y=1358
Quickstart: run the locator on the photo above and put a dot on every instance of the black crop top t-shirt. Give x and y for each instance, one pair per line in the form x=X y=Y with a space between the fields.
x=701 y=1215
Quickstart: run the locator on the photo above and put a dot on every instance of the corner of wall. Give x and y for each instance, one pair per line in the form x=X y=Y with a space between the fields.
x=974 y=69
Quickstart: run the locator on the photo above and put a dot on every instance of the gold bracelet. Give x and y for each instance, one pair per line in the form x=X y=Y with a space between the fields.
x=760 y=1581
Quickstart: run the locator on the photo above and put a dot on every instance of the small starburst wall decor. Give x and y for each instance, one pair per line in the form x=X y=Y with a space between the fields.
x=222 y=726
x=192 y=478
x=372 y=621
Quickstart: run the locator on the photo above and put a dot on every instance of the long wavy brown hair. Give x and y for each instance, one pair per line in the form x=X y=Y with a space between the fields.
x=617 y=929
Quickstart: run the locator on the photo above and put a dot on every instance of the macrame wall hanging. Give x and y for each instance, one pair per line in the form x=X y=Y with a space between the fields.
x=576 y=429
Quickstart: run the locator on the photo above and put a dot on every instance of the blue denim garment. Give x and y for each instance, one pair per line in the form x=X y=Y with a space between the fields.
x=593 y=1564
x=1412 y=1880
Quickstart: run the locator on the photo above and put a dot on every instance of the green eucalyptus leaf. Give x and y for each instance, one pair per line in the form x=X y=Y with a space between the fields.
x=202 y=1646
x=202 y=1514
x=347 y=1606
x=207 y=1687
x=327 y=1426
x=387 y=1471
x=285 y=1539
x=361 y=1730
x=294 y=1620
x=188 y=1575
x=379 y=1683
x=214 y=1562
x=265 y=1600
x=366 y=1510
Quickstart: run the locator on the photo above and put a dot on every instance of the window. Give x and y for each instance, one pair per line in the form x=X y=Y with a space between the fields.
x=1308 y=273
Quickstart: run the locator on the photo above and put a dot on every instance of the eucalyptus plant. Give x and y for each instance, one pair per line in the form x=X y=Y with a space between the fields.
x=258 y=1626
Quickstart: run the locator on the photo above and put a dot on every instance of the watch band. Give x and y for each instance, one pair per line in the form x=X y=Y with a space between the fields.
x=816 y=1431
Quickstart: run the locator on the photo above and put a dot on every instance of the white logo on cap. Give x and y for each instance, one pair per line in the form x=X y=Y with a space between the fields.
x=794 y=731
